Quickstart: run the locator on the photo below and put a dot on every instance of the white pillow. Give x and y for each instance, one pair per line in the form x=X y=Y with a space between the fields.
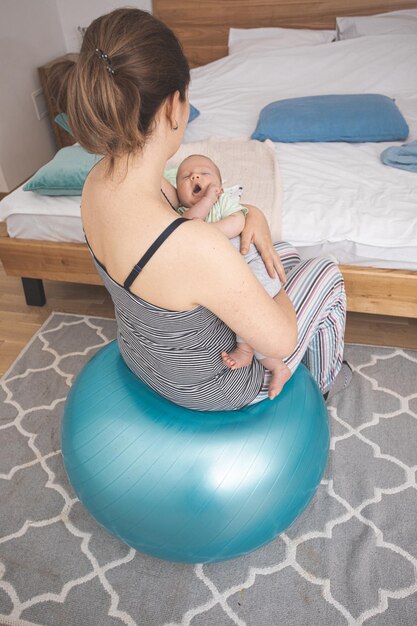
x=393 y=23
x=244 y=39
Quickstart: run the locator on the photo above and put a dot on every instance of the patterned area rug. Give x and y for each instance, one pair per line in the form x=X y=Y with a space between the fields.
x=350 y=559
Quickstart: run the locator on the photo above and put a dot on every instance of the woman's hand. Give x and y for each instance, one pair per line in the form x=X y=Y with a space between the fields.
x=257 y=231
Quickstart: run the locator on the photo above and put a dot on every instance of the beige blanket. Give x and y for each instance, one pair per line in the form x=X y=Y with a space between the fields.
x=246 y=162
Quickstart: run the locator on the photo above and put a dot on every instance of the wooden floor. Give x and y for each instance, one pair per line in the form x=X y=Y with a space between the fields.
x=19 y=322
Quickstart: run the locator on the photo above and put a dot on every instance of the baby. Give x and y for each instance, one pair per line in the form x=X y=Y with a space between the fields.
x=200 y=192
x=201 y=195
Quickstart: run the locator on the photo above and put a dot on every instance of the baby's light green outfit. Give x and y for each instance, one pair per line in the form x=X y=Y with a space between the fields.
x=223 y=207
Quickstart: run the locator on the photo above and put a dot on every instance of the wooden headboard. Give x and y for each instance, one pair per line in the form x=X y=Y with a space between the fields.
x=203 y=26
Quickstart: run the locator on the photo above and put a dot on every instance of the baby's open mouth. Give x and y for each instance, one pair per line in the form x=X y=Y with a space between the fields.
x=196 y=188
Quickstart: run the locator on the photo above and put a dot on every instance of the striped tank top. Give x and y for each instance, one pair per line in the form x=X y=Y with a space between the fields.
x=178 y=353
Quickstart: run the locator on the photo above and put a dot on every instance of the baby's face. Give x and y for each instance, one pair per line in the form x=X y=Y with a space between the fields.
x=194 y=175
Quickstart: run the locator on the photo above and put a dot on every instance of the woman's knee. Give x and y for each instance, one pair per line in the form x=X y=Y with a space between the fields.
x=326 y=265
x=333 y=271
x=287 y=253
x=283 y=247
x=333 y=278
x=321 y=273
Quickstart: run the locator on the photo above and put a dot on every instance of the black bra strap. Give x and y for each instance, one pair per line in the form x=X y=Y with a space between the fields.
x=151 y=251
x=168 y=200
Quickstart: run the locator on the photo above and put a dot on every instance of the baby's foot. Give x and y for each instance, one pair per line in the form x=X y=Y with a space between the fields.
x=279 y=377
x=240 y=357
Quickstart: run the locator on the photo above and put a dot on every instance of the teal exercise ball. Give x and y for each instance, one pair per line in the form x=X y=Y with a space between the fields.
x=184 y=485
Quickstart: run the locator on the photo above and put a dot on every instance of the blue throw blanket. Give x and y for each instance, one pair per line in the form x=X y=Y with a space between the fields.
x=403 y=157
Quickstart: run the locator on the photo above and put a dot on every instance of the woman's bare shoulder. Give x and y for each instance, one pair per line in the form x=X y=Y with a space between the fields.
x=212 y=262
x=208 y=244
x=170 y=192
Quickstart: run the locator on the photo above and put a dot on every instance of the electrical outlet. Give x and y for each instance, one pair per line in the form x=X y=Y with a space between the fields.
x=81 y=32
x=39 y=103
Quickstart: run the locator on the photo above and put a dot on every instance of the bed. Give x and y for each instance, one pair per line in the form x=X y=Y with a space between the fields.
x=380 y=271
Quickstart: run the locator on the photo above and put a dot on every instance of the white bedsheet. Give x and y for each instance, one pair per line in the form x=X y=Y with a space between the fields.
x=62 y=228
x=333 y=192
x=338 y=197
x=231 y=91
x=35 y=222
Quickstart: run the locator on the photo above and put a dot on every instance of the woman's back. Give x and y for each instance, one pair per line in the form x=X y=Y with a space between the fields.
x=167 y=340
x=121 y=219
x=127 y=99
x=178 y=353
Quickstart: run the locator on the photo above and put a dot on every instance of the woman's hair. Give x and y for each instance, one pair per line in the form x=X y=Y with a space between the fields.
x=129 y=63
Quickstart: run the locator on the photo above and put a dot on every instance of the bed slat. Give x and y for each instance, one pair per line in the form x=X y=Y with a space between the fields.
x=369 y=290
x=50 y=260
x=381 y=291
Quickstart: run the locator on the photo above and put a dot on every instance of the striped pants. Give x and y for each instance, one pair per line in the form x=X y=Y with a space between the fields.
x=316 y=289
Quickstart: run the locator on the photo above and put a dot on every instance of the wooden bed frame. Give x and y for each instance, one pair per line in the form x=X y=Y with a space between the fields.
x=203 y=28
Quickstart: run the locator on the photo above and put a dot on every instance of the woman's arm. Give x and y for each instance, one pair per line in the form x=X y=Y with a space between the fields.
x=257 y=231
x=232 y=225
x=219 y=279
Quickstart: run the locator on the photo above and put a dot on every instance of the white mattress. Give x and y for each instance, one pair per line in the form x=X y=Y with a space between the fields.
x=30 y=215
x=37 y=219
x=338 y=197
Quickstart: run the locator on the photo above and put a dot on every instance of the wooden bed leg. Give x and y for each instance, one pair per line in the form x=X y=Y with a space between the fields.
x=34 y=291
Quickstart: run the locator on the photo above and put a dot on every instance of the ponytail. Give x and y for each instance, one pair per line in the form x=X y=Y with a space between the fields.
x=129 y=63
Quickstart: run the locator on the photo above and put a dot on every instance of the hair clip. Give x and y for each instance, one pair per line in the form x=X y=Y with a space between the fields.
x=105 y=57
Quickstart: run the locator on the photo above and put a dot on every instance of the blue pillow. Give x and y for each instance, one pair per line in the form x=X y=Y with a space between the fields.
x=193 y=113
x=351 y=118
x=65 y=174
x=62 y=118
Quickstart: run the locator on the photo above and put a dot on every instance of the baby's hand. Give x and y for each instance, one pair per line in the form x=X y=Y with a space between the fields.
x=213 y=192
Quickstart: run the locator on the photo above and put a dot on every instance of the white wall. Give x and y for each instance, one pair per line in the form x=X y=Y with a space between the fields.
x=76 y=13
x=3 y=184
x=33 y=32
x=30 y=35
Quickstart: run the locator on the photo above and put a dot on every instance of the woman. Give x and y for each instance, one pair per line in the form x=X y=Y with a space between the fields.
x=177 y=309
